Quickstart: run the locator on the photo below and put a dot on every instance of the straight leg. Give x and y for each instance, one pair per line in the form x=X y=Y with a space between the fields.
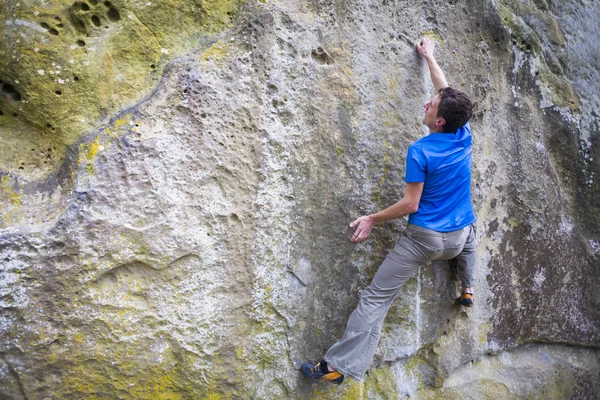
x=353 y=353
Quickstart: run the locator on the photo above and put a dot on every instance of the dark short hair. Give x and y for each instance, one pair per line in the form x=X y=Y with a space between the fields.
x=455 y=107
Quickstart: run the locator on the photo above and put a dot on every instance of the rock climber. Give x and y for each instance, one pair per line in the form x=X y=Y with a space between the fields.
x=440 y=226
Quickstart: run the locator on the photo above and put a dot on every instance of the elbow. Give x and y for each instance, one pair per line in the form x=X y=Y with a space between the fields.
x=413 y=207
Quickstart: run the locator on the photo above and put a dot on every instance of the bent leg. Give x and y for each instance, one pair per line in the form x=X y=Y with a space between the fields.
x=353 y=353
x=467 y=270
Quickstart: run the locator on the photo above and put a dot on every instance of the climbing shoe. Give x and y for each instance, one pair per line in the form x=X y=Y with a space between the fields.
x=320 y=371
x=466 y=300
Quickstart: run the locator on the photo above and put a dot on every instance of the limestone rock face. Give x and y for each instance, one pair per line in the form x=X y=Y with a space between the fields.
x=177 y=178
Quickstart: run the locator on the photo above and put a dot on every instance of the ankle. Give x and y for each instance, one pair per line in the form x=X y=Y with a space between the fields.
x=469 y=290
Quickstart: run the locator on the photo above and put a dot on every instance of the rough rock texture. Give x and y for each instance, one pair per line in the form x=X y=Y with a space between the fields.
x=177 y=177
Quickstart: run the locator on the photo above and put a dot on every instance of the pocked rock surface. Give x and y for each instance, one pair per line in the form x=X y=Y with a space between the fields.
x=177 y=178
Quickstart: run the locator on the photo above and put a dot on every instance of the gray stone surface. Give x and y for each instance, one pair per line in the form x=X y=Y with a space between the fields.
x=193 y=241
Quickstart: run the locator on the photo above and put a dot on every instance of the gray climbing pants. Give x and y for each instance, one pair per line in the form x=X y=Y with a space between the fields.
x=352 y=355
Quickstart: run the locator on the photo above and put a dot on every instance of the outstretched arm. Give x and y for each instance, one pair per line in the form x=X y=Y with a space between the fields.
x=408 y=205
x=426 y=48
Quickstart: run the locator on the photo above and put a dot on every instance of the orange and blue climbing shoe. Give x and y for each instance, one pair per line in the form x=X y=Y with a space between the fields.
x=466 y=300
x=320 y=371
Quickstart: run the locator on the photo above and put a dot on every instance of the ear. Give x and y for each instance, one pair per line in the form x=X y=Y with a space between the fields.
x=440 y=122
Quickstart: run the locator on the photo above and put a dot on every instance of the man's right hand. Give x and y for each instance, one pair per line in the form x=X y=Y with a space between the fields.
x=425 y=48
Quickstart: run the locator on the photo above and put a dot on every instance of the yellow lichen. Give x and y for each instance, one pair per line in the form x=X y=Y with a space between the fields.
x=88 y=152
x=216 y=53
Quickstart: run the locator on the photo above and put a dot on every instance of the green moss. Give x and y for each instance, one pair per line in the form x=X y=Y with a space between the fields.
x=434 y=36
x=522 y=35
x=73 y=74
x=560 y=91
x=382 y=380
x=10 y=202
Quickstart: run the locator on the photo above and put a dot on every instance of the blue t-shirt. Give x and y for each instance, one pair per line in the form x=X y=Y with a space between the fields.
x=443 y=162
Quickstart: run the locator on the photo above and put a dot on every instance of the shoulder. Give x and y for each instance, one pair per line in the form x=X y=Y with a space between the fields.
x=463 y=134
x=418 y=145
x=466 y=128
x=416 y=148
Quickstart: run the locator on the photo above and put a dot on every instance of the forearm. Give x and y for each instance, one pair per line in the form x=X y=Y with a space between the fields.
x=437 y=75
x=397 y=210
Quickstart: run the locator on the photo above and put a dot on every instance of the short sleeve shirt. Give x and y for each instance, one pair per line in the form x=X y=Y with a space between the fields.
x=443 y=162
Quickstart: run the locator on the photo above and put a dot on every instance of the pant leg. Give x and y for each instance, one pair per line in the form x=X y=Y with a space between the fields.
x=353 y=353
x=467 y=270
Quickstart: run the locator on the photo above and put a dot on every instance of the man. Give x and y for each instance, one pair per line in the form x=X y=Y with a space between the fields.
x=440 y=225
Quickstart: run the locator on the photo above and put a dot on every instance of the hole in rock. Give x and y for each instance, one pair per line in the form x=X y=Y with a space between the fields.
x=76 y=78
x=321 y=56
x=15 y=115
x=107 y=4
x=80 y=43
x=8 y=88
x=45 y=25
x=152 y=66
x=60 y=25
x=95 y=20
x=58 y=92
x=48 y=126
x=94 y=2
x=58 y=19
x=53 y=32
x=113 y=15
x=85 y=7
x=78 y=24
x=1 y=113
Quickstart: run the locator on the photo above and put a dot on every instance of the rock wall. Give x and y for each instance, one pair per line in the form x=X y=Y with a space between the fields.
x=177 y=178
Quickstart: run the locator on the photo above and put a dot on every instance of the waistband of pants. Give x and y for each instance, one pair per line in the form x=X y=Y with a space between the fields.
x=430 y=232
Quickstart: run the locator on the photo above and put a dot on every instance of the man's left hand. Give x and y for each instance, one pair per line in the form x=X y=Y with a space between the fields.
x=365 y=225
